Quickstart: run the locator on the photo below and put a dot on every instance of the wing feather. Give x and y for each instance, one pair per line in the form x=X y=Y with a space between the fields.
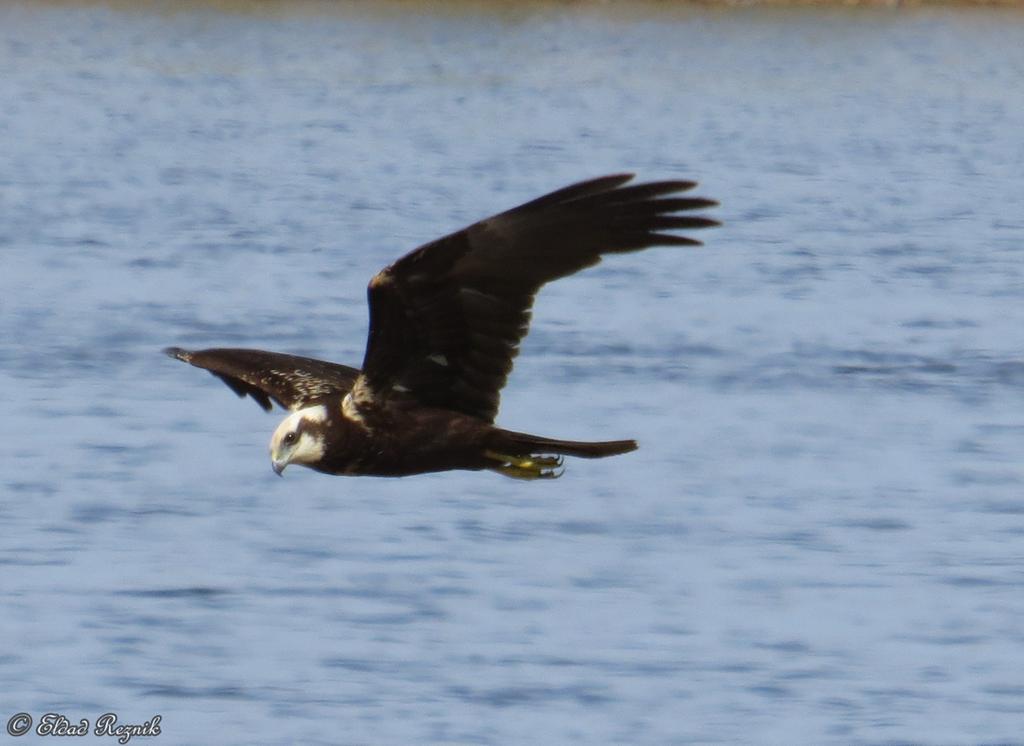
x=293 y=382
x=446 y=320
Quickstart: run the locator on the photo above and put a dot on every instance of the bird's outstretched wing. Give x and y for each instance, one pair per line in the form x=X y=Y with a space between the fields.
x=293 y=382
x=446 y=319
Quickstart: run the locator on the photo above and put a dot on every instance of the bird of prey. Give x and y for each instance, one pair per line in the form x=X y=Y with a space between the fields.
x=446 y=321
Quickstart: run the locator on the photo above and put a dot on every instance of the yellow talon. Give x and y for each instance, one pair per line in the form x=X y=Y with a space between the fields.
x=548 y=461
x=534 y=467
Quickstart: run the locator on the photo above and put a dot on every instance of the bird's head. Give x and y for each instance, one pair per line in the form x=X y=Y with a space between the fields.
x=299 y=439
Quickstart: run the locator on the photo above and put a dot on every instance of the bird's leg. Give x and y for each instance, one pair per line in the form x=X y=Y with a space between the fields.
x=526 y=467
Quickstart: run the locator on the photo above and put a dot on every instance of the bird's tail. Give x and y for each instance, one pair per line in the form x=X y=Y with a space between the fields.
x=527 y=456
x=523 y=444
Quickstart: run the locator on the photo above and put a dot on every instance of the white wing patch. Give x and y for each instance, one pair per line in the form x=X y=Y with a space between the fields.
x=439 y=359
x=350 y=410
x=308 y=385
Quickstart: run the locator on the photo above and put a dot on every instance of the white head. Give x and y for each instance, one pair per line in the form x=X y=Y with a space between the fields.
x=298 y=439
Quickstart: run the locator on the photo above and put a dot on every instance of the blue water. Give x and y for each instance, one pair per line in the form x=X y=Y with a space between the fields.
x=821 y=539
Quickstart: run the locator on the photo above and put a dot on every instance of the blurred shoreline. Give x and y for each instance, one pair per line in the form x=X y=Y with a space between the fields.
x=625 y=7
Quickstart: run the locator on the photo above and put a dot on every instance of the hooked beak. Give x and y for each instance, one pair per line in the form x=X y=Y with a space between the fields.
x=278 y=467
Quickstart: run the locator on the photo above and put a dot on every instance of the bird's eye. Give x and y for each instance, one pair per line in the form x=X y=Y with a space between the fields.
x=290 y=438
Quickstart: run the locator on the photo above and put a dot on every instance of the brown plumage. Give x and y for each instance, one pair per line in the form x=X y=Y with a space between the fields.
x=446 y=321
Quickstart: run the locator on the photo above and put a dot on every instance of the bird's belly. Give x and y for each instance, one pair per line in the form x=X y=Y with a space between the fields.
x=420 y=444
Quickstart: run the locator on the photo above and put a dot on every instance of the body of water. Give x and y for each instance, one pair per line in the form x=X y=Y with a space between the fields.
x=821 y=539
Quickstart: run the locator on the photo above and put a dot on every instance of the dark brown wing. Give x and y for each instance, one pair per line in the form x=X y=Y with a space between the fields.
x=446 y=320
x=293 y=382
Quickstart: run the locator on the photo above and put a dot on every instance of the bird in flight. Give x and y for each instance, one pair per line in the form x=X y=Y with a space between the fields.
x=446 y=321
